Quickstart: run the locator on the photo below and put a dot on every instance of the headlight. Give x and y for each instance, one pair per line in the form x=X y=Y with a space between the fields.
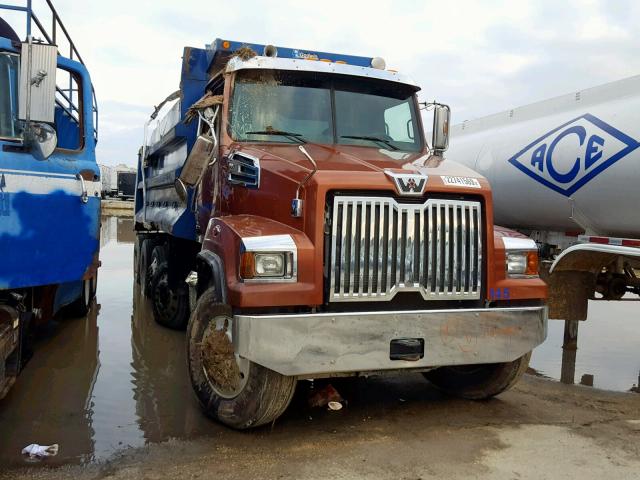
x=269 y=264
x=269 y=258
x=521 y=257
x=276 y=265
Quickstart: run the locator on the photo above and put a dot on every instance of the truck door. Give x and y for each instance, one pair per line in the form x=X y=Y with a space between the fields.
x=49 y=207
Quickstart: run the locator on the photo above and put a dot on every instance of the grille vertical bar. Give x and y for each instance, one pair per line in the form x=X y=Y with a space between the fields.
x=380 y=247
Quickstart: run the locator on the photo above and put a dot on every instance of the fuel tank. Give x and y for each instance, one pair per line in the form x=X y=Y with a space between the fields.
x=570 y=163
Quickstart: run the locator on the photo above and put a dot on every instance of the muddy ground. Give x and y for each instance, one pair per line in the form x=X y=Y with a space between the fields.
x=402 y=428
x=112 y=389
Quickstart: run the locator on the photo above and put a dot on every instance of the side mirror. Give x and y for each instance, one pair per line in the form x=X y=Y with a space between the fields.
x=42 y=139
x=37 y=94
x=441 y=118
x=198 y=160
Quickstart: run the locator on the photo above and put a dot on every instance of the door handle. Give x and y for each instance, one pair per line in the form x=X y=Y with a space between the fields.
x=84 y=197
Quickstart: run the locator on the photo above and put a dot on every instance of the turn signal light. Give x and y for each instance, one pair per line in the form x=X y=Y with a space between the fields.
x=532 y=263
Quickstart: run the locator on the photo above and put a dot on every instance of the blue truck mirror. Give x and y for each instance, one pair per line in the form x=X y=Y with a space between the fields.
x=42 y=139
x=37 y=82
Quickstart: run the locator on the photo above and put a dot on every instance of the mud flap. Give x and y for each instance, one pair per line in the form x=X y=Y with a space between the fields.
x=569 y=293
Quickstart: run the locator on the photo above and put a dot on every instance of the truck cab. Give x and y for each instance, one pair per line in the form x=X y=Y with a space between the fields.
x=49 y=185
x=292 y=216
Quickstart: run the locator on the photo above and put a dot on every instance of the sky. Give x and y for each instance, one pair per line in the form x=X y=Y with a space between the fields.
x=479 y=57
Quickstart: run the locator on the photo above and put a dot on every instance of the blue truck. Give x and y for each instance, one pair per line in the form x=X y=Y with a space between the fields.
x=49 y=182
x=290 y=215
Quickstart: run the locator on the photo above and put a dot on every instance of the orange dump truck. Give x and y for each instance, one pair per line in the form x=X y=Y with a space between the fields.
x=292 y=217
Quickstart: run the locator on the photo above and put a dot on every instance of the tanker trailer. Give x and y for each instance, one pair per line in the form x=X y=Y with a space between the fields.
x=566 y=172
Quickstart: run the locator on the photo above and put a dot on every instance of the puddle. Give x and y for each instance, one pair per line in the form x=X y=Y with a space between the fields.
x=607 y=346
x=115 y=379
x=99 y=384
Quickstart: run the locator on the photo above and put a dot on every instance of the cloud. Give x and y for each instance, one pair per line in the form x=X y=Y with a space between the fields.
x=480 y=57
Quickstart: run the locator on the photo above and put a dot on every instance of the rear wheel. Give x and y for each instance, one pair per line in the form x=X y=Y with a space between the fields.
x=231 y=389
x=82 y=305
x=142 y=258
x=479 y=382
x=170 y=301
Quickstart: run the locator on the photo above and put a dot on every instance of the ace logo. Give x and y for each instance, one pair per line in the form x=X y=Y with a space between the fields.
x=569 y=156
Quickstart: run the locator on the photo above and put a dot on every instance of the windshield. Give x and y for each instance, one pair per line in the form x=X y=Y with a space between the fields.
x=9 y=65
x=277 y=106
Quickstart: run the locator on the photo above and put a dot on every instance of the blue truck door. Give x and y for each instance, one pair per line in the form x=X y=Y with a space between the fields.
x=50 y=209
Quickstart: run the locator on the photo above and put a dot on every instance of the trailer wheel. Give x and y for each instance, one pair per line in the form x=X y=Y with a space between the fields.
x=616 y=288
x=170 y=302
x=231 y=389
x=478 y=382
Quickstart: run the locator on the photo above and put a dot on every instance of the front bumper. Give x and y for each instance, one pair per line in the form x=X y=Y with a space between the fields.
x=345 y=343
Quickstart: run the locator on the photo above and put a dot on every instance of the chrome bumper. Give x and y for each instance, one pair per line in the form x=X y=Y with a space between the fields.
x=343 y=343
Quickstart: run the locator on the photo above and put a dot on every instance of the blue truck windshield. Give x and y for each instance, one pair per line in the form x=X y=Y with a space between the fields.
x=324 y=109
x=9 y=65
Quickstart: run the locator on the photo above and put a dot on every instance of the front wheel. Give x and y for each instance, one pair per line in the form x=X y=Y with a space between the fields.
x=231 y=389
x=479 y=382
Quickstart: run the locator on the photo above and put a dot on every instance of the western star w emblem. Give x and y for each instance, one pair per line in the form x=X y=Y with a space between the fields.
x=569 y=156
x=408 y=183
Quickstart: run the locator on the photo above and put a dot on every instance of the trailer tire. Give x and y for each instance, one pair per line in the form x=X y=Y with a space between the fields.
x=170 y=302
x=478 y=382
x=231 y=390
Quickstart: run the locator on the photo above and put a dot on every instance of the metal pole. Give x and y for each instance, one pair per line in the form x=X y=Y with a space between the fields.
x=569 y=350
x=28 y=18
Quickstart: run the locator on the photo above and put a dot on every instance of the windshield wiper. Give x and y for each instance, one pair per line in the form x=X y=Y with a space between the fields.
x=372 y=139
x=296 y=137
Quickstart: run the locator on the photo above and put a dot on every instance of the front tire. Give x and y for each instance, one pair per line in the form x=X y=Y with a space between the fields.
x=478 y=382
x=232 y=390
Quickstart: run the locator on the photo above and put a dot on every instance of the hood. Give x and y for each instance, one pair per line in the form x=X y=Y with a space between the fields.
x=287 y=160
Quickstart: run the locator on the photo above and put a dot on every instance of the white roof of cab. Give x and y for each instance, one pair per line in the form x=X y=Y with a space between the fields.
x=275 y=63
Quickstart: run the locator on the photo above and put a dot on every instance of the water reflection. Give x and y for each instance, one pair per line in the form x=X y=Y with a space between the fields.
x=52 y=401
x=118 y=229
x=607 y=353
x=165 y=406
x=99 y=384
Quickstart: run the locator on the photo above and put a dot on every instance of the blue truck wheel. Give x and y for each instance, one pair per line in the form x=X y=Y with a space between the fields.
x=170 y=300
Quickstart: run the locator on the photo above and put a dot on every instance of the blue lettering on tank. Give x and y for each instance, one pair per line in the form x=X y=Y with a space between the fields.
x=594 y=153
x=567 y=157
x=571 y=174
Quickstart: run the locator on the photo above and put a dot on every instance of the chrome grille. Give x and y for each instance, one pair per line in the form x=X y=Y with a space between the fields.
x=380 y=247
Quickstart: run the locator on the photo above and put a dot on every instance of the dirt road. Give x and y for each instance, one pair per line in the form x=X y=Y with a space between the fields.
x=401 y=428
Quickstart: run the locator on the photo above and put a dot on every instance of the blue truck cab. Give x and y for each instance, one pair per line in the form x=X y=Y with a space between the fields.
x=49 y=184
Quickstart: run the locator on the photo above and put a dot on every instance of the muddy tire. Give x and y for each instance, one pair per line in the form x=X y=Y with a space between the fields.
x=230 y=389
x=170 y=302
x=479 y=382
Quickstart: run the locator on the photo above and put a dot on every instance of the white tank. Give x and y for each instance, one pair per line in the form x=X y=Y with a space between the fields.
x=565 y=164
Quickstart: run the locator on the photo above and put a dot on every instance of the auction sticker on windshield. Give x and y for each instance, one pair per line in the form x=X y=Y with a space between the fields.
x=460 y=181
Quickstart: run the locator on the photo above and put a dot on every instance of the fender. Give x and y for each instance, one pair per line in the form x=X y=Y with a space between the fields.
x=590 y=257
x=210 y=268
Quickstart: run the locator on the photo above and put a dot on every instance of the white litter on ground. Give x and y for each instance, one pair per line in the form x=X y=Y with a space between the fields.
x=34 y=450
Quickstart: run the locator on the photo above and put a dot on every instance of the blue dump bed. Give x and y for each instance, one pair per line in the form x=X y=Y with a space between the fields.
x=169 y=139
